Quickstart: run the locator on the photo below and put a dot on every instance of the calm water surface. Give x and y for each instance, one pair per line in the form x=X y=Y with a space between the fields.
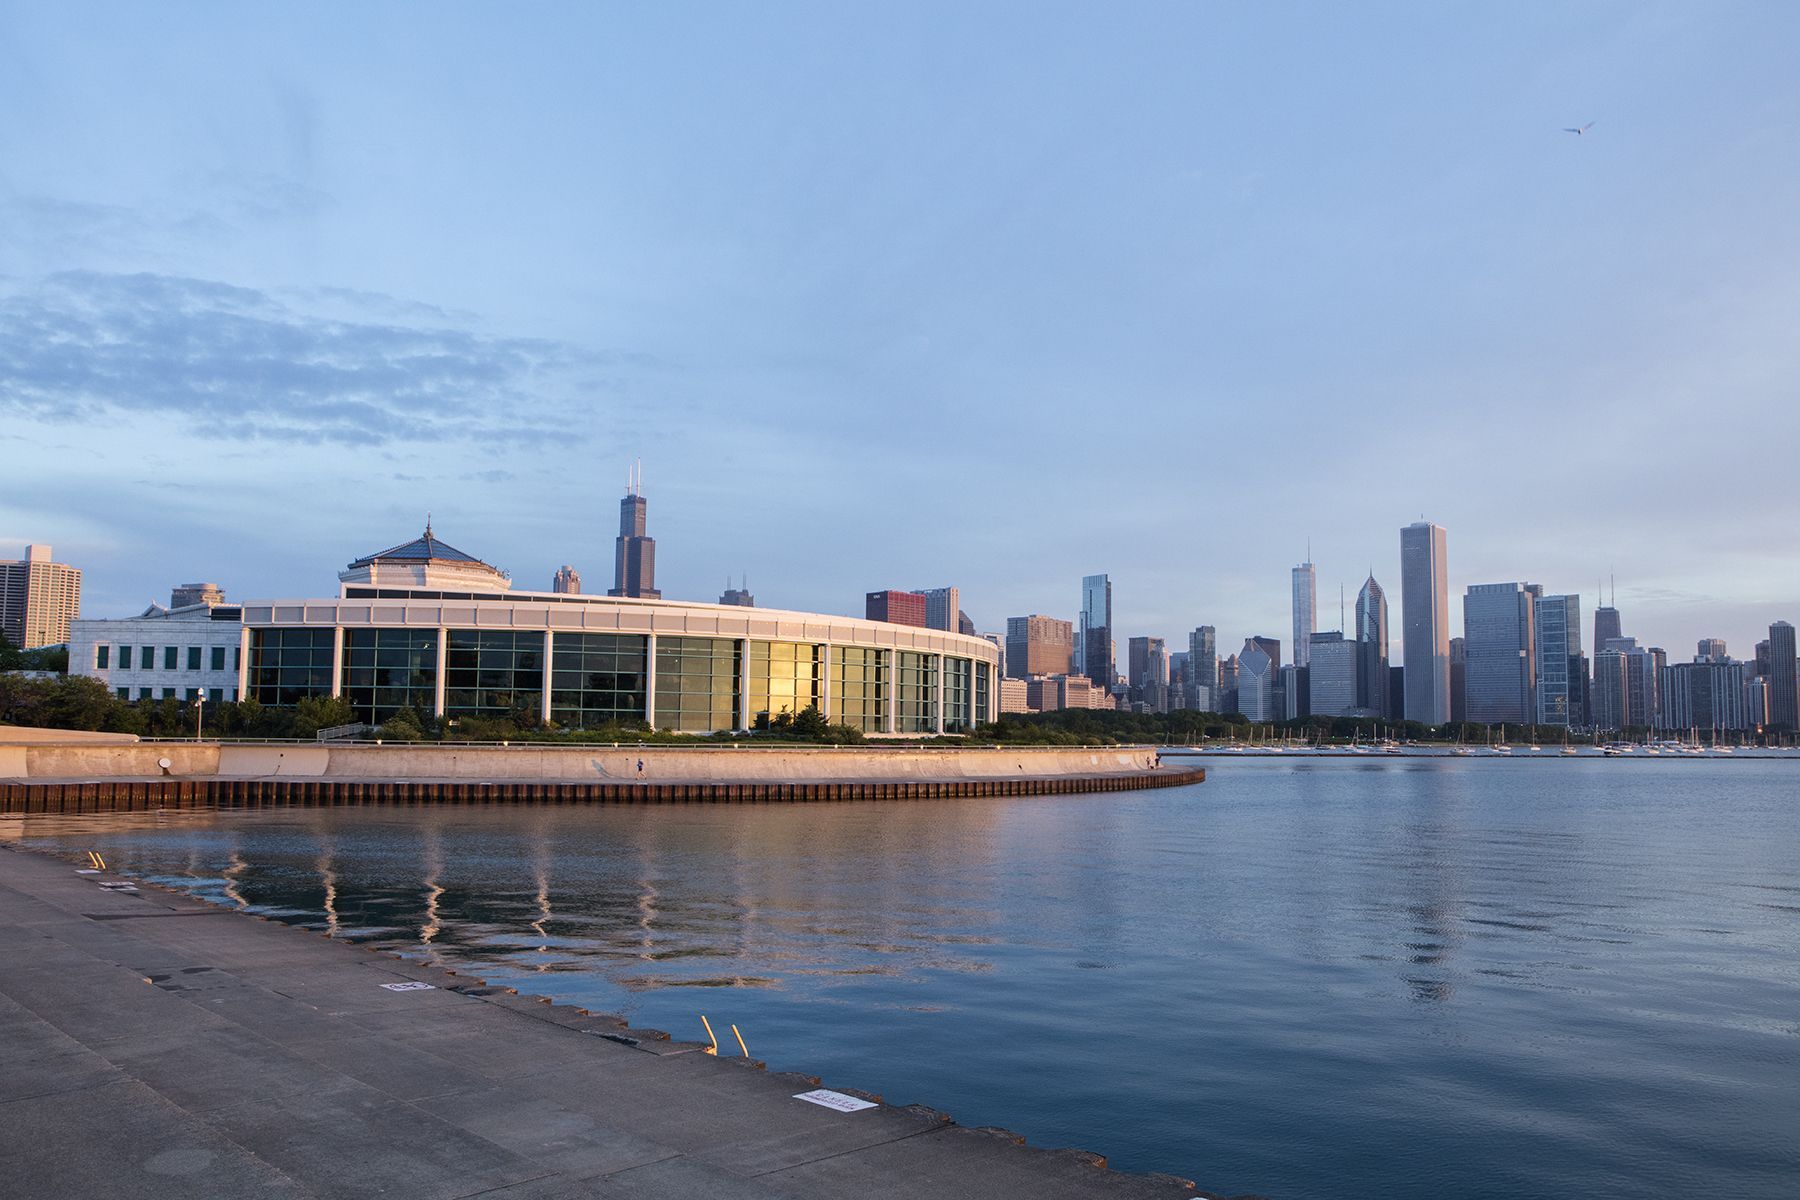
x=1309 y=979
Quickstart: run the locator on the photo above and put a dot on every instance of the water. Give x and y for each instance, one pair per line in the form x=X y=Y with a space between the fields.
x=1308 y=979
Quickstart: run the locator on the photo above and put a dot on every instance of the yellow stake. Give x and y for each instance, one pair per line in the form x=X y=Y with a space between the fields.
x=714 y=1048
x=740 y=1038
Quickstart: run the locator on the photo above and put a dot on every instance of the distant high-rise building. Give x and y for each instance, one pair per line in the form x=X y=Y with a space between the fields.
x=1500 y=650
x=1707 y=695
x=895 y=607
x=1784 y=699
x=1459 y=679
x=1711 y=650
x=1148 y=672
x=942 y=607
x=1203 y=670
x=1269 y=646
x=738 y=597
x=1228 y=682
x=1425 y=622
x=1333 y=676
x=566 y=581
x=1396 y=691
x=1256 y=679
x=1097 y=630
x=1561 y=669
x=187 y=594
x=964 y=626
x=1037 y=645
x=634 y=553
x=1306 y=610
x=1761 y=661
x=38 y=599
x=1372 y=649
x=1609 y=707
x=1606 y=626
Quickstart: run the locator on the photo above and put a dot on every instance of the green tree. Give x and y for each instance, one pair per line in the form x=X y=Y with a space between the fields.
x=403 y=726
x=314 y=713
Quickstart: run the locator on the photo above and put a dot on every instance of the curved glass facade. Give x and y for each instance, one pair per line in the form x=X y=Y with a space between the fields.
x=916 y=680
x=859 y=688
x=781 y=677
x=286 y=665
x=957 y=686
x=696 y=684
x=386 y=670
x=597 y=678
x=493 y=673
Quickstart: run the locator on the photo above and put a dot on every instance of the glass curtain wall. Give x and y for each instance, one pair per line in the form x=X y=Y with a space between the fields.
x=288 y=665
x=916 y=677
x=386 y=670
x=859 y=688
x=957 y=685
x=983 y=686
x=494 y=672
x=597 y=679
x=780 y=677
x=696 y=684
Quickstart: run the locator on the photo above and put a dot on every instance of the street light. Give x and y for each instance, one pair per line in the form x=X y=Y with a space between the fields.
x=199 y=710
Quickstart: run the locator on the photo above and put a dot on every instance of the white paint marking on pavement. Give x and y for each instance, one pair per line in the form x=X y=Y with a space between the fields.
x=827 y=1098
x=414 y=986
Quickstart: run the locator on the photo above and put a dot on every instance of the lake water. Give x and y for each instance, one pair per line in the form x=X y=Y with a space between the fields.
x=1330 y=978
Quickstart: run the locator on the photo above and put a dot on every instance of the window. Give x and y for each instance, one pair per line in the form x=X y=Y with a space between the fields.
x=597 y=678
x=193 y=657
x=147 y=658
x=916 y=681
x=171 y=657
x=101 y=654
x=237 y=658
x=859 y=688
x=288 y=664
x=781 y=677
x=386 y=670
x=983 y=686
x=494 y=673
x=144 y=693
x=124 y=693
x=124 y=658
x=957 y=672
x=168 y=693
x=218 y=658
x=696 y=684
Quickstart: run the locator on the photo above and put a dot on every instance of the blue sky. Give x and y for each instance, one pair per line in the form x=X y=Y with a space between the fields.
x=993 y=295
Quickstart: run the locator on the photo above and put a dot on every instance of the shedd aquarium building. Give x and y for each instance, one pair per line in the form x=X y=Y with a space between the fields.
x=425 y=626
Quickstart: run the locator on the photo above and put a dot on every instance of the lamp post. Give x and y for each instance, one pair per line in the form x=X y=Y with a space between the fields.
x=199 y=710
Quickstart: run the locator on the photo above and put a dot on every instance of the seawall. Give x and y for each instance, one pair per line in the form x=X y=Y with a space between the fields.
x=85 y=776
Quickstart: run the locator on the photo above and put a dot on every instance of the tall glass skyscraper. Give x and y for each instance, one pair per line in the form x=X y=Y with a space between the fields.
x=1425 y=622
x=1306 y=611
x=1561 y=669
x=1203 y=670
x=1097 y=630
x=1372 y=649
x=1784 y=700
x=1500 y=644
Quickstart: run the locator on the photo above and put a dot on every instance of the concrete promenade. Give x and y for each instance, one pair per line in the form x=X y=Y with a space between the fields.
x=152 y=1045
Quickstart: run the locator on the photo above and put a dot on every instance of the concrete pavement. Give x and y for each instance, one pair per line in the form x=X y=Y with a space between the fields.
x=153 y=1046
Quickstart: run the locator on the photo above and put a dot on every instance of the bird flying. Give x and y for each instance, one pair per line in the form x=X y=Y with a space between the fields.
x=1580 y=131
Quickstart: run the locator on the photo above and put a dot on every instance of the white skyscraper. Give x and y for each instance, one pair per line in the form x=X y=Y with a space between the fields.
x=1306 y=610
x=1425 y=622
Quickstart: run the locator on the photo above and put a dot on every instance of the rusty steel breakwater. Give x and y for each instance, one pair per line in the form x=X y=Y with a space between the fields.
x=148 y=795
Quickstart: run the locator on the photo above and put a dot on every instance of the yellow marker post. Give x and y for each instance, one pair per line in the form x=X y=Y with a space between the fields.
x=740 y=1038
x=714 y=1048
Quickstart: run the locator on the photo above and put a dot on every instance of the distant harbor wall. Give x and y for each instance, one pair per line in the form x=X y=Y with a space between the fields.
x=87 y=776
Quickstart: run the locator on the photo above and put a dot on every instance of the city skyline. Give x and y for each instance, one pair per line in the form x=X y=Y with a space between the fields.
x=313 y=322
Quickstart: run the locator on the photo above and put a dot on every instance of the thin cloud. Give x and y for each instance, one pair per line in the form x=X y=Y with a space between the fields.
x=236 y=363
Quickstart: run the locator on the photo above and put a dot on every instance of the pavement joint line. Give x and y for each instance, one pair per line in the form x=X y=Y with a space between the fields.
x=853 y=1150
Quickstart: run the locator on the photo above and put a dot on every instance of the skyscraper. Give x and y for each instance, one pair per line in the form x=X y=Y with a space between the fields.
x=738 y=597
x=1306 y=610
x=1459 y=679
x=1784 y=700
x=1332 y=676
x=1372 y=649
x=942 y=608
x=1203 y=670
x=566 y=581
x=634 y=554
x=1269 y=646
x=38 y=599
x=1500 y=649
x=895 y=607
x=1561 y=669
x=1037 y=645
x=1606 y=626
x=1256 y=683
x=1711 y=650
x=1425 y=622
x=1148 y=672
x=1097 y=630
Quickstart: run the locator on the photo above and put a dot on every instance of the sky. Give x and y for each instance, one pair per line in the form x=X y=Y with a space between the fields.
x=993 y=295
